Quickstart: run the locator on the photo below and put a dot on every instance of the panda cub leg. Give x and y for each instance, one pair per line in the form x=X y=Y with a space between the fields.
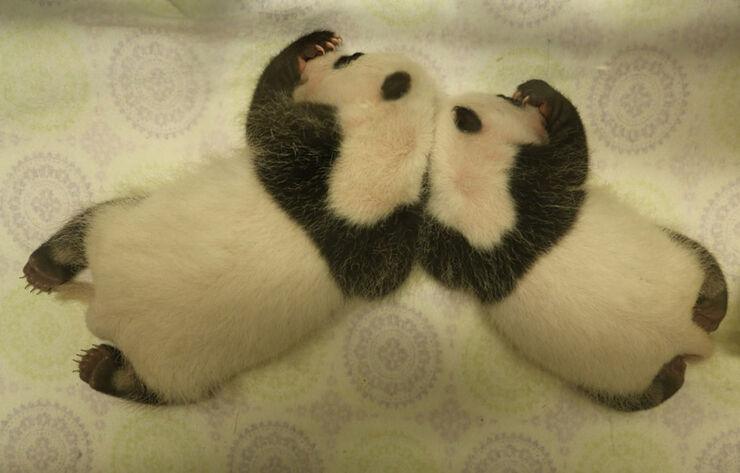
x=708 y=311
x=711 y=302
x=665 y=384
x=62 y=256
x=105 y=369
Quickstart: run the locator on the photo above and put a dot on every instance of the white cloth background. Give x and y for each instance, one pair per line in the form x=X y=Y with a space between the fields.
x=100 y=96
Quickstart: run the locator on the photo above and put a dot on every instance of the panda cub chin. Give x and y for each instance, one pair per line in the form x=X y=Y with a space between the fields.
x=228 y=267
x=578 y=282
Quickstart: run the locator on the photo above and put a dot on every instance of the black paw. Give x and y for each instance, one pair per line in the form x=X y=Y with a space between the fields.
x=43 y=273
x=97 y=366
x=666 y=383
x=313 y=45
x=709 y=311
x=554 y=107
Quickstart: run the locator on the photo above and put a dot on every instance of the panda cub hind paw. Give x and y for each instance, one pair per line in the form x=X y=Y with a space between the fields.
x=106 y=370
x=43 y=273
x=666 y=383
x=97 y=366
x=708 y=313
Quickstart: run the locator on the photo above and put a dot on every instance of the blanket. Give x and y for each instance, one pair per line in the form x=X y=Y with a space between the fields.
x=98 y=97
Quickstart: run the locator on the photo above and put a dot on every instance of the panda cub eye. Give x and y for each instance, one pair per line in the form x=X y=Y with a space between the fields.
x=466 y=120
x=345 y=60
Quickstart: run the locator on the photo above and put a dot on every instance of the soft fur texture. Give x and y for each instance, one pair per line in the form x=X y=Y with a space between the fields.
x=577 y=281
x=231 y=265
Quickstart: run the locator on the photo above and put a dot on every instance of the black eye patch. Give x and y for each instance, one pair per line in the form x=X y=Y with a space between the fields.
x=466 y=120
x=396 y=85
x=345 y=60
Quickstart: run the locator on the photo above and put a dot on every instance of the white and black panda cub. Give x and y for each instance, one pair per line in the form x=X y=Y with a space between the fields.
x=577 y=281
x=231 y=265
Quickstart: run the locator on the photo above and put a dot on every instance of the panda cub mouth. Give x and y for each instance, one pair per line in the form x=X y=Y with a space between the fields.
x=345 y=60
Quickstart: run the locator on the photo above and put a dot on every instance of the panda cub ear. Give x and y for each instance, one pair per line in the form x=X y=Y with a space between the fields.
x=466 y=120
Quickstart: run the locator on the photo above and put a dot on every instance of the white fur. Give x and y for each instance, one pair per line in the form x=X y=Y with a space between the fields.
x=209 y=276
x=610 y=304
x=605 y=308
x=469 y=171
x=385 y=144
x=203 y=279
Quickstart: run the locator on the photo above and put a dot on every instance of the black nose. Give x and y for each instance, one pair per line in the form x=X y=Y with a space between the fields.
x=396 y=85
x=466 y=120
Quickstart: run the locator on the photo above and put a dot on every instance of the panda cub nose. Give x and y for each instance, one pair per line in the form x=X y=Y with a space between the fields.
x=396 y=85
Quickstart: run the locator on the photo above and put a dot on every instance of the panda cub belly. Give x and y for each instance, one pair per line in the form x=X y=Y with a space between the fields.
x=577 y=281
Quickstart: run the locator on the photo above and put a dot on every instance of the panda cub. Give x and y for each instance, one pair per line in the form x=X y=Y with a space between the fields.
x=231 y=265
x=577 y=281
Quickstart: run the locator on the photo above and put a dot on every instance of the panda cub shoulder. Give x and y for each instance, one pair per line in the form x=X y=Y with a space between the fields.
x=577 y=281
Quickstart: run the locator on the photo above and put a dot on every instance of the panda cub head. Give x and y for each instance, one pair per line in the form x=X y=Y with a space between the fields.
x=341 y=142
x=477 y=145
x=385 y=105
x=505 y=184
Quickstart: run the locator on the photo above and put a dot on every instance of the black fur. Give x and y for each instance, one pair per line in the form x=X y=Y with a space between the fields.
x=467 y=120
x=545 y=185
x=296 y=145
x=345 y=60
x=60 y=258
x=396 y=85
x=711 y=302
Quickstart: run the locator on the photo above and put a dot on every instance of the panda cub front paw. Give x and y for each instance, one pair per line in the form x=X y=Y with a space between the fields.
x=316 y=44
x=554 y=107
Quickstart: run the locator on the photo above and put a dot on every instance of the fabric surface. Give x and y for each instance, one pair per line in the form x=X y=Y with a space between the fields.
x=97 y=97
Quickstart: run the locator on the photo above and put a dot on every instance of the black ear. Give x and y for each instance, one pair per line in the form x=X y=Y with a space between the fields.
x=466 y=120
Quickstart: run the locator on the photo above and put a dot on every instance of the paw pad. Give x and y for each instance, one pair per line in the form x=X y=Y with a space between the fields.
x=97 y=366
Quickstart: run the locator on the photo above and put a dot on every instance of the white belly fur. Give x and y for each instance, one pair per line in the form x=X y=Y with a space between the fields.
x=204 y=278
x=609 y=304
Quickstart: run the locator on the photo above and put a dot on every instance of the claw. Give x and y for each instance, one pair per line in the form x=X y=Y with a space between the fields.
x=337 y=40
x=526 y=99
x=330 y=46
x=320 y=50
